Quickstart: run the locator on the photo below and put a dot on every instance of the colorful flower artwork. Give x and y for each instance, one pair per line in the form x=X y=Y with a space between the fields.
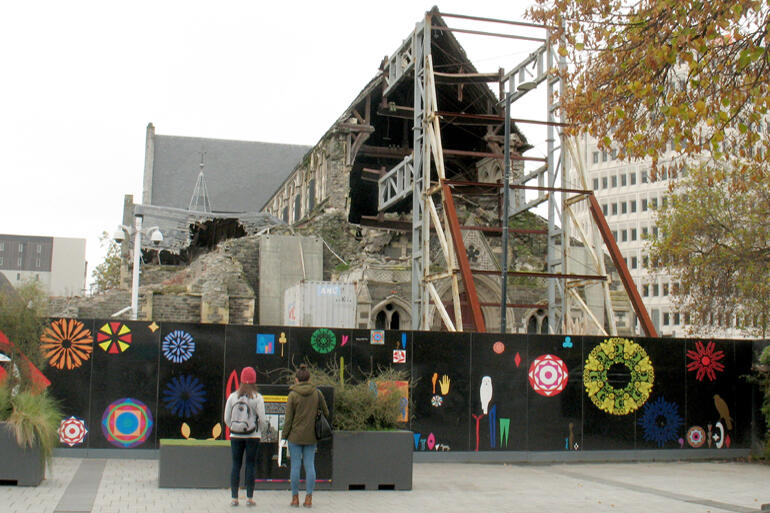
x=127 y=423
x=178 y=346
x=705 y=361
x=660 y=421
x=548 y=375
x=114 y=337
x=184 y=396
x=66 y=343
x=606 y=357
x=696 y=437
x=323 y=340
x=72 y=431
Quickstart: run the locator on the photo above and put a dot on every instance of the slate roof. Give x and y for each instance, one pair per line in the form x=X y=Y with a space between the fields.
x=175 y=224
x=240 y=175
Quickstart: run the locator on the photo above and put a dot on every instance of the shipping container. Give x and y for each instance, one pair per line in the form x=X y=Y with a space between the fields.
x=320 y=303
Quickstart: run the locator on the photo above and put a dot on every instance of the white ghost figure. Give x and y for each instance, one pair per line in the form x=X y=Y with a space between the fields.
x=485 y=393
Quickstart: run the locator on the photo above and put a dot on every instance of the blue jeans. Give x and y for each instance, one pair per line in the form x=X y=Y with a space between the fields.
x=302 y=455
x=251 y=447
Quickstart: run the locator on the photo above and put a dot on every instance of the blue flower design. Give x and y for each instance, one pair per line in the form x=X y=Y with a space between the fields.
x=178 y=346
x=184 y=396
x=660 y=421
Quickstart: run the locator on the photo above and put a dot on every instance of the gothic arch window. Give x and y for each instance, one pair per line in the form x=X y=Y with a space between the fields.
x=537 y=322
x=390 y=315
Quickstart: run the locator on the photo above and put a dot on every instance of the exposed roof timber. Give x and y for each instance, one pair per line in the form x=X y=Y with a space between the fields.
x=467 y=78
x=403 y=112
x=494 y=34
x=492 y=20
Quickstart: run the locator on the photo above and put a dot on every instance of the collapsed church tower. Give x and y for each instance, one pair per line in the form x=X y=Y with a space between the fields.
x=402 y=198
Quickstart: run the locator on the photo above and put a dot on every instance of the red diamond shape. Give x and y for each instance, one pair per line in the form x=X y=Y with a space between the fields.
x=517 y=359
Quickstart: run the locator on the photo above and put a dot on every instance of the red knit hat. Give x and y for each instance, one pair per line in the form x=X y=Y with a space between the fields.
x=248 y=375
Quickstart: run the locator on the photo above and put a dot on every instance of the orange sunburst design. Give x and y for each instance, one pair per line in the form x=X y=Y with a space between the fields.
x=66 y=343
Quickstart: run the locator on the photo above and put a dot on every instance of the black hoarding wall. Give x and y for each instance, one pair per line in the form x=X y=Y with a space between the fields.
x=128 y=384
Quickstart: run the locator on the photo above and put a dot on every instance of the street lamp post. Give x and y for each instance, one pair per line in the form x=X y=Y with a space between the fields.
x=124 y=232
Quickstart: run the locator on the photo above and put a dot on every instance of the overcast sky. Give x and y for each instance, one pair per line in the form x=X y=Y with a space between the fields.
x=81 y=81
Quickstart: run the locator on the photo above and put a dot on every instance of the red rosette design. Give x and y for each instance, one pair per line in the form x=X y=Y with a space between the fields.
x=548 y=375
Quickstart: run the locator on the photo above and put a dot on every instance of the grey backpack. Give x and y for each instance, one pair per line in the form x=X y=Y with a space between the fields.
x=243 y=421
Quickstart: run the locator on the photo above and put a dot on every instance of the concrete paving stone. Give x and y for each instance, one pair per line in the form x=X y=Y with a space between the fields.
x=130 y=486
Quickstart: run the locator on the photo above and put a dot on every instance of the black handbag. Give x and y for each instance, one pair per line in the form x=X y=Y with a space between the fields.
x=323 y=429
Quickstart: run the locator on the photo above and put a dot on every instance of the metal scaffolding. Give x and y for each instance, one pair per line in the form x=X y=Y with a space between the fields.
x=422 y=175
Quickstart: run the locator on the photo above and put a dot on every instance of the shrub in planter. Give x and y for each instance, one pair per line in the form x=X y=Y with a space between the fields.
x=32 y=418
x=372 y=404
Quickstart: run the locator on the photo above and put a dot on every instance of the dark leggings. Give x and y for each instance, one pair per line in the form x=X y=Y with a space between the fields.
x=238 y=446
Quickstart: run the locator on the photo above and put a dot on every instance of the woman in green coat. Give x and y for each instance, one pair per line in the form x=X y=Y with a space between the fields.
x=299 y=429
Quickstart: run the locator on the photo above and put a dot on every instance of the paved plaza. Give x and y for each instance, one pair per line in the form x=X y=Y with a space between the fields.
x=128 y=486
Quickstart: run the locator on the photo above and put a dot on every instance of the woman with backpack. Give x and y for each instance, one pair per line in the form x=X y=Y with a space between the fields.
x=244 y=415
x=303 y=403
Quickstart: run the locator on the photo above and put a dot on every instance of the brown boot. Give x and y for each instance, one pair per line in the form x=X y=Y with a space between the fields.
x=294 y=501
x=308 y=501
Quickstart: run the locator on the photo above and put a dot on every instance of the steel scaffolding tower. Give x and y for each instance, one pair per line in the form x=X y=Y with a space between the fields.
x=414 y=175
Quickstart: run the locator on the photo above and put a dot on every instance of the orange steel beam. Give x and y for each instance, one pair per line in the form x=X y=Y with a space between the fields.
x=620 y=264
x=462 y=258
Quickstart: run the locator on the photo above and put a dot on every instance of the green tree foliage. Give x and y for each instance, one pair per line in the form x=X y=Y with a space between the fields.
x=107 y=274
x=22 y=319
x=650 y=75
x=717 y=245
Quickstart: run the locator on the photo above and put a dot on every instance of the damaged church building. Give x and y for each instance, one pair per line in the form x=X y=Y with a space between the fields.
x=396 y=213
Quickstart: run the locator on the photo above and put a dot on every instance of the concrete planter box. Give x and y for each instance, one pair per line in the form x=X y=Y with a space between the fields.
x=372 y=460
x=206 y=464
x=23 y=467
x=194 y=464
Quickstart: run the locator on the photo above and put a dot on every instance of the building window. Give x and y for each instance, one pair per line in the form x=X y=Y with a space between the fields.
x=654 y=232
x=37 y=262
x=645 y=261
x=623 y=207
x=604 y=210
x=645 y=290
x=21 y=247
x=311 y=194
x=604 y=156
x=615 y=234
x=18 y=276
x=632 y=178
x=644 y=177
x=676 y=318
x=664 y=201
x=655 y=289
x=39 y=248
x=634 y=262
x=644 y=232
x=687 y=318
x=297 y=207
x=644 y=205
x=624 y=235
x=665 y=289
x=666 y=319
x=2 y=246
x=614 y=209
x=614 y=181
x=623 y=180
x=18 y=262
x=654 y=202
x=596 y=184
x=633 y=233
x=633 y=206
x=596 y=157
x=604 y=182
x=675 y=288
x=614 y=154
